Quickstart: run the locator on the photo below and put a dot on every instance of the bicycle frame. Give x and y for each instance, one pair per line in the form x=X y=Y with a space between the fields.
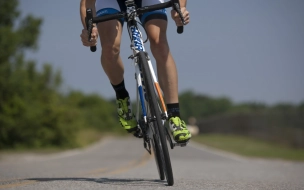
x=137 y=45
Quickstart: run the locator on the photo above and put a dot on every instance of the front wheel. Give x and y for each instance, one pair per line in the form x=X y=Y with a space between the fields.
x=159 y=130
x=158 y=159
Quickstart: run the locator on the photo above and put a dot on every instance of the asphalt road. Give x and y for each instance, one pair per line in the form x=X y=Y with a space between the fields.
x=124 y=164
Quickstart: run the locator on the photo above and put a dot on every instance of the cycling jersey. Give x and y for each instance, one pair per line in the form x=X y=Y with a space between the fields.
x=104 y=7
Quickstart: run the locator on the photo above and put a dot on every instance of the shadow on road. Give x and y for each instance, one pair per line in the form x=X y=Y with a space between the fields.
x=109 y=181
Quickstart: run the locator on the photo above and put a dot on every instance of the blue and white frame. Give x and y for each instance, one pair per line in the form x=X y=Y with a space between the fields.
x=137 y=45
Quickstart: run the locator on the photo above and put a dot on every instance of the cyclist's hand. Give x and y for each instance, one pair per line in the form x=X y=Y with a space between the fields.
x=177 y=19
x=94 y=36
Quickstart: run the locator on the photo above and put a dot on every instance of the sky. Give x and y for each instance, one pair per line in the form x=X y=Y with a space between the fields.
x=247 y=51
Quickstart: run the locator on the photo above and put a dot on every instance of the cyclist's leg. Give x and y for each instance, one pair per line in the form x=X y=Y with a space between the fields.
x=156 y=25
x=110 y=39
x=167 y=74
x=166 y=68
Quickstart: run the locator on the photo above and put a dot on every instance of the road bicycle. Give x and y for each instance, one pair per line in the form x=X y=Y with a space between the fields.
x=151 y=112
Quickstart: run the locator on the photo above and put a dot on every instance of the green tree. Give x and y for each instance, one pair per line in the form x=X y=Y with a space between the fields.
x=16 y=39
x=31 y=110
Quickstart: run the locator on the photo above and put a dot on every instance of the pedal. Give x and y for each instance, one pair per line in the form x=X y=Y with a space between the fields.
x=181 y=144
x=138 y=133
x=164 y=116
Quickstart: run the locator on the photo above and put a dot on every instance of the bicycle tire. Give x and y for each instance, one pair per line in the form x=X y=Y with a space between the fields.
x=156 y=151
x=155 y=147
x=153 y=102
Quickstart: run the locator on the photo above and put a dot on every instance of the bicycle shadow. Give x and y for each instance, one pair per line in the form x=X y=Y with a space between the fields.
x=107 y=181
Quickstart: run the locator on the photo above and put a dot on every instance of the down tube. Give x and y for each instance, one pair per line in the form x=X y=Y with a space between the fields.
x=141 y=92
x=136 y=39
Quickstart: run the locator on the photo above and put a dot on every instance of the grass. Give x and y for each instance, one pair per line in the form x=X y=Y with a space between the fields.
x=250 y=147
x=87 y=137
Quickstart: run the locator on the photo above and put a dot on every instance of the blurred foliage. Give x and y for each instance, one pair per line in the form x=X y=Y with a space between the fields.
x=281 y=123
x=33 y=112
x=200 y=106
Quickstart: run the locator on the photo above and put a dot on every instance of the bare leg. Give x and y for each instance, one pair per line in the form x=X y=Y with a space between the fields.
x=167 y=75
x=110 y=37
x=166 y=68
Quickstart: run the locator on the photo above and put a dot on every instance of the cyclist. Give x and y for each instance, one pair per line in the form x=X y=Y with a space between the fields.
x=110 y=32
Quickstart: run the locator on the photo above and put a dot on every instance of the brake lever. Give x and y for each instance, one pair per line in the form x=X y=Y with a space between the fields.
x=89 y=23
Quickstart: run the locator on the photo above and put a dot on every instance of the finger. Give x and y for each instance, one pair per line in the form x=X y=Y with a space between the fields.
x=94 y=36
x=94 y=31
x=185 y=14
x=93 y=42
x=85 y=42
x=179 y=22
x=174 y=14
x=187 y=19
x=84 y=32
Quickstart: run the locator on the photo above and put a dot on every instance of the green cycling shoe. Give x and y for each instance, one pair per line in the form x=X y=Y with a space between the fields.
x=179 y=130
x=126 y=118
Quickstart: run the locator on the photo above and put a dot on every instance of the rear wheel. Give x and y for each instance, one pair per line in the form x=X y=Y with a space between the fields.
x=159 y=130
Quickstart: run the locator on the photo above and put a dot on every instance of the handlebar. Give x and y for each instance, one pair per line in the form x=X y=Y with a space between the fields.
x=172 y=3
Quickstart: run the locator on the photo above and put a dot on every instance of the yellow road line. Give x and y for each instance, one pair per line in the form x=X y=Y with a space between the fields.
x=18 y=184
x=133 y=164
x=13 y=179
x=94 y=172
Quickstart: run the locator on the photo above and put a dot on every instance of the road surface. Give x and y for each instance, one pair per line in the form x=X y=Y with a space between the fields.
x=123 y=163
